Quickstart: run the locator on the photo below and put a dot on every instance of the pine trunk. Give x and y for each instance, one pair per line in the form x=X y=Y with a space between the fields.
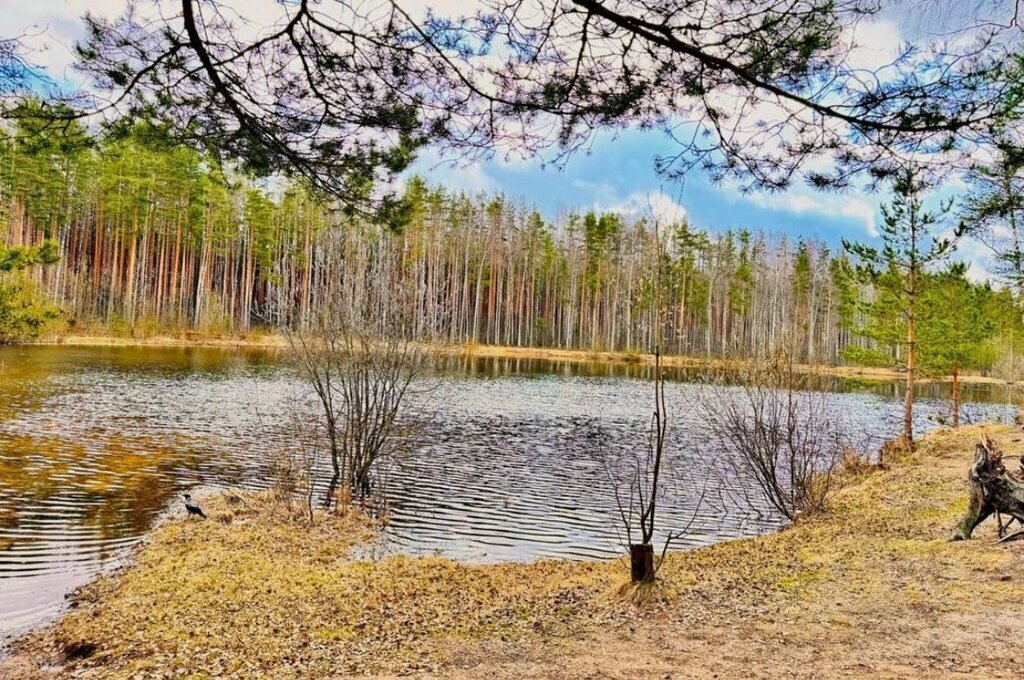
x=908 y=402
x=956 y=394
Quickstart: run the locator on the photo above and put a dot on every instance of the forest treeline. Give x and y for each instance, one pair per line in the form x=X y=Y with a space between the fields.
x=152 y=235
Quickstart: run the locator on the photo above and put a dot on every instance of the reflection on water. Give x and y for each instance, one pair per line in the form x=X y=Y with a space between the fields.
x=95 y=443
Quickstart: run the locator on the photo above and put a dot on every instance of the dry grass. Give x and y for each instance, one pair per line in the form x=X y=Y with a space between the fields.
x=872 y=589
x=254 y=590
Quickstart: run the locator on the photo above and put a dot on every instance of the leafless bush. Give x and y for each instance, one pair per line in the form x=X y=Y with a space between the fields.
x=785 y=440
x=285 y=476
x=360 y=382
x=295 y=467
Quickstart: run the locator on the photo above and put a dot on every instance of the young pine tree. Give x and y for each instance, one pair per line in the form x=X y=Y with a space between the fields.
x=911 y=245
x=953 y=327
x=23 y=314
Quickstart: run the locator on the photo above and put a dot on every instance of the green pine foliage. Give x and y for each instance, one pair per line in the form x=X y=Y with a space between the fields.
x=955 y=328
x=23 y=312
x=895 y=276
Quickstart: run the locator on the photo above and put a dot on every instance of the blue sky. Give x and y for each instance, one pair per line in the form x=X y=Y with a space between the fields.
x=618 y=174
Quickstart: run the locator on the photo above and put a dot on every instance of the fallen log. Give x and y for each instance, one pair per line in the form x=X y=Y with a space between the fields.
x=993 y=489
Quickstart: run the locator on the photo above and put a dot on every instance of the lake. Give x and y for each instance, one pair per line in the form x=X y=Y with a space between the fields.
x=97 y=443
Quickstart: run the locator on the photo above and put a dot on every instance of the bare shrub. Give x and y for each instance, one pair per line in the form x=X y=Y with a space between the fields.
x=299 y=462
x=785 y=439
x=284 y=476
x=360 y=381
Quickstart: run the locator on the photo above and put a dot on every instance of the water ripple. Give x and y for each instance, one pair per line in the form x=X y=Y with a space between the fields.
x=96 y=443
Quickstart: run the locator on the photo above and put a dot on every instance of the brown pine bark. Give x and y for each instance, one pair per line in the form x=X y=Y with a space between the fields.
x=97 y=250
x=908 y=400
x=956 y=394
x=908 y=406
x=129 y=289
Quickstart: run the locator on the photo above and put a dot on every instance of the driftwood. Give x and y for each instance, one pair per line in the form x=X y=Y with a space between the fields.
x=994 y=491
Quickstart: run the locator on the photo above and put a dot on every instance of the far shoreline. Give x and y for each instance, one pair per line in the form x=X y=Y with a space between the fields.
x=276 y=341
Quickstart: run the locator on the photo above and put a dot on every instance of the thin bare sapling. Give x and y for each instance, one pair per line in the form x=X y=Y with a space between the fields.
x=638 y=477
x=361 y=382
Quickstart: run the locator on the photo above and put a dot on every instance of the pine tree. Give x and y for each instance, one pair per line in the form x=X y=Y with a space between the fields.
x=23 y=314
x=953 y=327
x=897 y=271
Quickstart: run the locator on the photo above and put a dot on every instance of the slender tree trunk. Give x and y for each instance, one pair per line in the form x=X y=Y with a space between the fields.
x=956 y=394
x=908 y=402
x=129 y=293
x=641 y=563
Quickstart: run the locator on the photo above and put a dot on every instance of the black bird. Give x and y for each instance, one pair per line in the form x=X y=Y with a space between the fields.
x=192 y=508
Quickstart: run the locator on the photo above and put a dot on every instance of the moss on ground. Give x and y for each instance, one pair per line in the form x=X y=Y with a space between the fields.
x=874 y=586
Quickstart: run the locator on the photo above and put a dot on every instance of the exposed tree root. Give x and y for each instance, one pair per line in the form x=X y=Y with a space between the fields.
x=994 y=490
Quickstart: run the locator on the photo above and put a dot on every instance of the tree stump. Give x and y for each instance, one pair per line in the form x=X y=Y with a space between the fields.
x=993 y=489
x=641 y=562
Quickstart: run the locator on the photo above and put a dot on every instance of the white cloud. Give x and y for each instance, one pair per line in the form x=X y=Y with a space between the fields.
x=977 y=273
x=658 y=205
x=860 y=209
x=50 y=29
x=874 y=44
x=453 y=174
x=445 y=8
x=977 y=256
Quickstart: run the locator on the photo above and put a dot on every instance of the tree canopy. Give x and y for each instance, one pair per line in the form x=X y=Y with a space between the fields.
x=345 y=93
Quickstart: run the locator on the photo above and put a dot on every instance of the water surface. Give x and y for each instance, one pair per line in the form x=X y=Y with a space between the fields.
x=95 y=443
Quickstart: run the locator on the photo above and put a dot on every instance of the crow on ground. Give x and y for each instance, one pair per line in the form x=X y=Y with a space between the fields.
x=193 y=508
